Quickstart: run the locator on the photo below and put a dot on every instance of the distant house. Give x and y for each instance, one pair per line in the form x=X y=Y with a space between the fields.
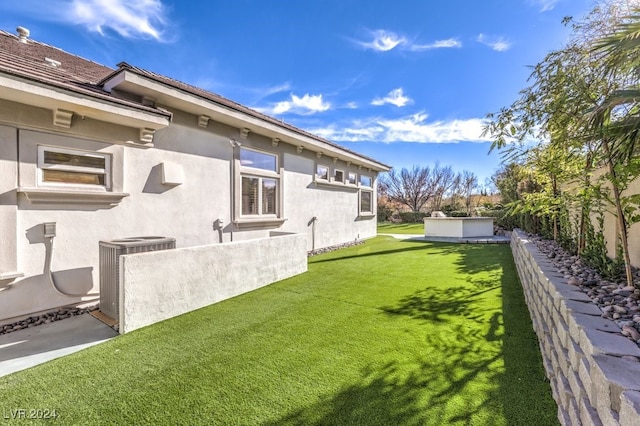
x=100 y=154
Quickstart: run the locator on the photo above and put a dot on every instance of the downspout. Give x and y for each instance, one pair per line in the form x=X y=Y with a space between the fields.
x=234 y=144
x=313 y=232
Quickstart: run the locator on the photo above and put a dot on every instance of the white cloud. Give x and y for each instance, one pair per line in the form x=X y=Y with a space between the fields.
x=260 y=93
x=268 y=91
x=416 y=129
x=350 y=134
x=413 y=128
x=438 y=44
x=308 y=104
x=146 y=19
x=545 y=5
x=129 y=18
x=395 y=97
x=497 y=43
x=383 y=41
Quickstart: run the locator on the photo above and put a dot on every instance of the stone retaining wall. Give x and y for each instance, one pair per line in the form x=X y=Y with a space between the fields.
x=593 y=369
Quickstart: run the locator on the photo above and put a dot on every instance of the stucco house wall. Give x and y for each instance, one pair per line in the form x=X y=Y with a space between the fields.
x=610 y=229
x=198 y=206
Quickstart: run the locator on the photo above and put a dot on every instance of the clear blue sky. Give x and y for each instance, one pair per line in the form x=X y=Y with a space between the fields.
x=407 y=82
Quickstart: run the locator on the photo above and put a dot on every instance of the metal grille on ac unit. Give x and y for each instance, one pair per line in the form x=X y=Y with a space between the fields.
x=110 y=252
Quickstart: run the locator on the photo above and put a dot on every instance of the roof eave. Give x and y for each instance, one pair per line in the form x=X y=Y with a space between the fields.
x=130 y=81
x=44 y=95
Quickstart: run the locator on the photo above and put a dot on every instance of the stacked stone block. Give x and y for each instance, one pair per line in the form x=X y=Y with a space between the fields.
x=594 y=370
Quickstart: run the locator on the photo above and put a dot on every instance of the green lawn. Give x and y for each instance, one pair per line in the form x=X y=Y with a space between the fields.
x=400 y=228
x=385 y=333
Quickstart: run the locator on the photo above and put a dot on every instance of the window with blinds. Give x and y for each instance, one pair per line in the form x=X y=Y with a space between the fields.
x=260 y=181
x=59 y=166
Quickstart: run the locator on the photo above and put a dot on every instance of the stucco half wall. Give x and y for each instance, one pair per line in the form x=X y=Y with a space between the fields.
x=155 y=286
x=458 y=227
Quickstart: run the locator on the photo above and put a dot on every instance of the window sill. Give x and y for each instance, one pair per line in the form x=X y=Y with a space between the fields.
x=65 y=196
x=10 y=275
x=259 y=222
x=366 y=215
x=339 y=185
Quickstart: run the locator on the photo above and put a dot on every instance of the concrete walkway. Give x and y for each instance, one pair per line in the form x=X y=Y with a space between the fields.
x=496 y=239
x=32 y=346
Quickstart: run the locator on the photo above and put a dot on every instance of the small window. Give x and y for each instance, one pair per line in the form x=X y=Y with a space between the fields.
x=366 y=202
x=352 y=178
x=365 y=181
x=322 y=172
x=258 y=160
x=338 y=176
x=58 y=166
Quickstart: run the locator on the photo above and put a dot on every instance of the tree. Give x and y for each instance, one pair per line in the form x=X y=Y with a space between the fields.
x=454 y=191
x=469 y=182
x=412 y=188
x=444 y=177
x=506 y=180
x=583 y=104
x=616 y=122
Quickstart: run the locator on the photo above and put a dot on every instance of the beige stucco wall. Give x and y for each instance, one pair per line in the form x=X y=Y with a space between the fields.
x=458 y=227
x=188 y=211
x=160 y=285
x=611 y=228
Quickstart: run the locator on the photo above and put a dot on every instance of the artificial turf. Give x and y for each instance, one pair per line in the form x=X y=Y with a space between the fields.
x=385 y=333
x=400 y=228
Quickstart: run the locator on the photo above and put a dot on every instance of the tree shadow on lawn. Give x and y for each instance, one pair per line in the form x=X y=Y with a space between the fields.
x=437 y=305
x=473 y=258
x=439 y=385
x=486 y=369
x=419 y=245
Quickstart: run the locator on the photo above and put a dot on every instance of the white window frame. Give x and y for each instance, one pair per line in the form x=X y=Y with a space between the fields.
x=106 y=172
x=370 y=185
x=318 y=175
x=260 y=174
x=335 y=171
x=355 y=178
x=361 y=211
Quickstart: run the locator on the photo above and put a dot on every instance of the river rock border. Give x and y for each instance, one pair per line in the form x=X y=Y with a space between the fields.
x=592 y=368
x=46 y=318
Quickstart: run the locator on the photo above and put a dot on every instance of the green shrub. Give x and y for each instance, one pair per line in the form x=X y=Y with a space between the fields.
x=384 y=213
x=413 y=217
x=503 y=219
x=492 y=213
x=450 y=208
x=458 y=213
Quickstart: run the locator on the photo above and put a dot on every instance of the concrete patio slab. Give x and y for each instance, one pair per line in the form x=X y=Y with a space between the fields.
x=32 y=346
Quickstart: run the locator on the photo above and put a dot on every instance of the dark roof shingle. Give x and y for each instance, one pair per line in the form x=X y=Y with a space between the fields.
x=30 y=61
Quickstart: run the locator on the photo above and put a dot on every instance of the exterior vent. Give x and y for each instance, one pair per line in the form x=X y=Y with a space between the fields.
x=110 y=252
x=23 y=34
